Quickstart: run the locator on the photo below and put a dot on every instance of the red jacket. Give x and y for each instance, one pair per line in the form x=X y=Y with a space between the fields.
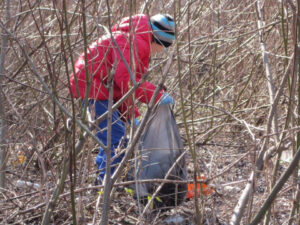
x=101 y=57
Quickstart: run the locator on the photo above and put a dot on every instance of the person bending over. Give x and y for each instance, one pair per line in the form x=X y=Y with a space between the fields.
x=148 y=36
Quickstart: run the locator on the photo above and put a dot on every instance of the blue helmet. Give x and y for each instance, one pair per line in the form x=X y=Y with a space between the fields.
x=163 y=29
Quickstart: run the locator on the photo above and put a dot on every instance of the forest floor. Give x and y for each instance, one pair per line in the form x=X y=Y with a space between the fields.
x=228 y=162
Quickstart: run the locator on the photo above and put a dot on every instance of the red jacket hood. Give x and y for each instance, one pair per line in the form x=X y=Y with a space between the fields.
x=141 y=25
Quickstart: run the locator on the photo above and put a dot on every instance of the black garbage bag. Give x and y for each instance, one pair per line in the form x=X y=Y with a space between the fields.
x=160 y=153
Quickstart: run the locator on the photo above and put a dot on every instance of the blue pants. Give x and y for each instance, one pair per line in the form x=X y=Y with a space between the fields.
x=117 y=136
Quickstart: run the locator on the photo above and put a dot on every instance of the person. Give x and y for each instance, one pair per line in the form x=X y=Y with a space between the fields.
x=148 y=36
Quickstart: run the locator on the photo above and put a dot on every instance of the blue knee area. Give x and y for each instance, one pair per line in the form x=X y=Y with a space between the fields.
x=117 y=134
x=101 y=159
x=101 y=162
x=118 y=126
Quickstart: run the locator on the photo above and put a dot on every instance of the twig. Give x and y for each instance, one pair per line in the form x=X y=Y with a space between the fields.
x=161 y=185
x=229 y=166
x=129 y=93
x=296 y=205
x=293 y=165
x=143 y=122
x=259 y=161
x=241 y=205
x=127 y=183
x=269 y=75
x=107 y=180
x=3 y=130
x=60 y=185
x=54 y=98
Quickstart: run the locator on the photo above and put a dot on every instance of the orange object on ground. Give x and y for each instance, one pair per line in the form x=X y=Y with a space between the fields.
x=201 y=189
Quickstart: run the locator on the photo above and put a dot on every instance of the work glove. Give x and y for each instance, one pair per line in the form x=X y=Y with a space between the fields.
x=166 y=99
x=136 y=122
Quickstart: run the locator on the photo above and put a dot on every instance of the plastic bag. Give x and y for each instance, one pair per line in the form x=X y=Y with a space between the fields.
x=160 y=153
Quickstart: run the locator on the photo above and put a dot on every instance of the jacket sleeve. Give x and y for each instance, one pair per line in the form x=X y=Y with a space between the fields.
x=122 y=79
